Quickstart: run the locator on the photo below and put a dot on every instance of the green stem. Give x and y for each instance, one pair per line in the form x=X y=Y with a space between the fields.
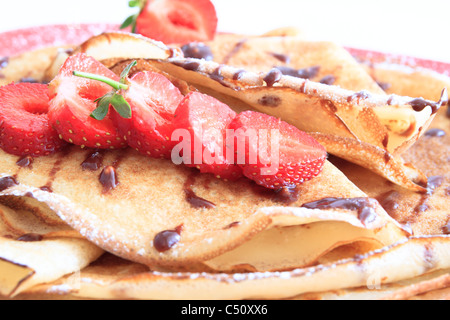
x=115 y=84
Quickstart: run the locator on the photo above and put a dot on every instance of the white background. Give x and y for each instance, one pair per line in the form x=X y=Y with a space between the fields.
x=416 y=28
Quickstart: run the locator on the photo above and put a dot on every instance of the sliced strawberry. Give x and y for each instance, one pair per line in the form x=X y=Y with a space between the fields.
x=178 y=21
x=153 y=100
x=24 y=125
x=299 y=157
x=205 y=119
x=73 y=102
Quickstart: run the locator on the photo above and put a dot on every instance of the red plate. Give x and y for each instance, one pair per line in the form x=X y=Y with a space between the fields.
x=21 y=40
x=18 y=41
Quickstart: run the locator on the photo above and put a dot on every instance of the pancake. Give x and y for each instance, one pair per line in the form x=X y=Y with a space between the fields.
x=246 y=243
x=120 y=220
x=404 y=270
x=35 y=248
x=314 y=60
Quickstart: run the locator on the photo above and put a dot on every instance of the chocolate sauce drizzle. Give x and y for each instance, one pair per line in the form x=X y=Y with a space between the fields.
x=166 y=239
x=435 y=132
x=94 y=160
x=358 y=96
x=270 y=101
x=194 y=200
x=56 y=168
x=280 y=56
x=4 y=62
x=419 y=104
x=108 y=177
x=286 y=195
x=433 y=183
x=364 y=206
x=272 y=77
x=25 y=162
x=30 y=237
x=237 y=47
x=197 y=50
x=329 y=80
x=7 y=182
x=304 y=73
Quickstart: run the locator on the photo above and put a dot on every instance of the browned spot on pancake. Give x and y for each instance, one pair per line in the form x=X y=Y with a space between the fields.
x=237 y=47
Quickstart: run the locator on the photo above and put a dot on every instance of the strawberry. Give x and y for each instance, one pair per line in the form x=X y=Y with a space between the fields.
x=205 y=119
x=174 y=21
x=74 y=100
x=153 y=100
x=292 y=158
x=24 y=125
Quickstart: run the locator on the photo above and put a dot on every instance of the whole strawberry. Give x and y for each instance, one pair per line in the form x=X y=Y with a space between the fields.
x=174 y=21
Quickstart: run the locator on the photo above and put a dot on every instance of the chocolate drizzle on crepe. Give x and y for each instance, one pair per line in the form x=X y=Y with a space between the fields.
x=56 y=168
x=166 y=239
x=25 y=162
x=433 y=183
x=194 y=200
x=3 y=63
x=7 y=182
x=419 y=104
x=197 y=50
x=364 y=206
x=94 y=160
x=30 y=237
x=304 y=73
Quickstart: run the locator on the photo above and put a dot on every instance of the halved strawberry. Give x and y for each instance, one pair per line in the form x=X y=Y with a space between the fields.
x=178 y=21
x=24 y=125
x=291 y=158
x=204 y=119
x=153 y=100
x=74 y=100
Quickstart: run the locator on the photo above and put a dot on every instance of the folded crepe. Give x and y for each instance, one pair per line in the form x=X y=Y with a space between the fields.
x=36 y=247
x=214 y=224
x=409 y=269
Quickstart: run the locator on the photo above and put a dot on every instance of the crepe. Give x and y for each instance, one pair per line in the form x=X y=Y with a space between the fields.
x=246 y=242
x=231 y=218
x=404 y=270
x=37 y=247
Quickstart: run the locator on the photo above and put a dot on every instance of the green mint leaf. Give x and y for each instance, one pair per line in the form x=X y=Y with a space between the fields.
x=128 y=21
x=102 y=106
x=121 y=106
x=126 y=71
x=133 y=3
